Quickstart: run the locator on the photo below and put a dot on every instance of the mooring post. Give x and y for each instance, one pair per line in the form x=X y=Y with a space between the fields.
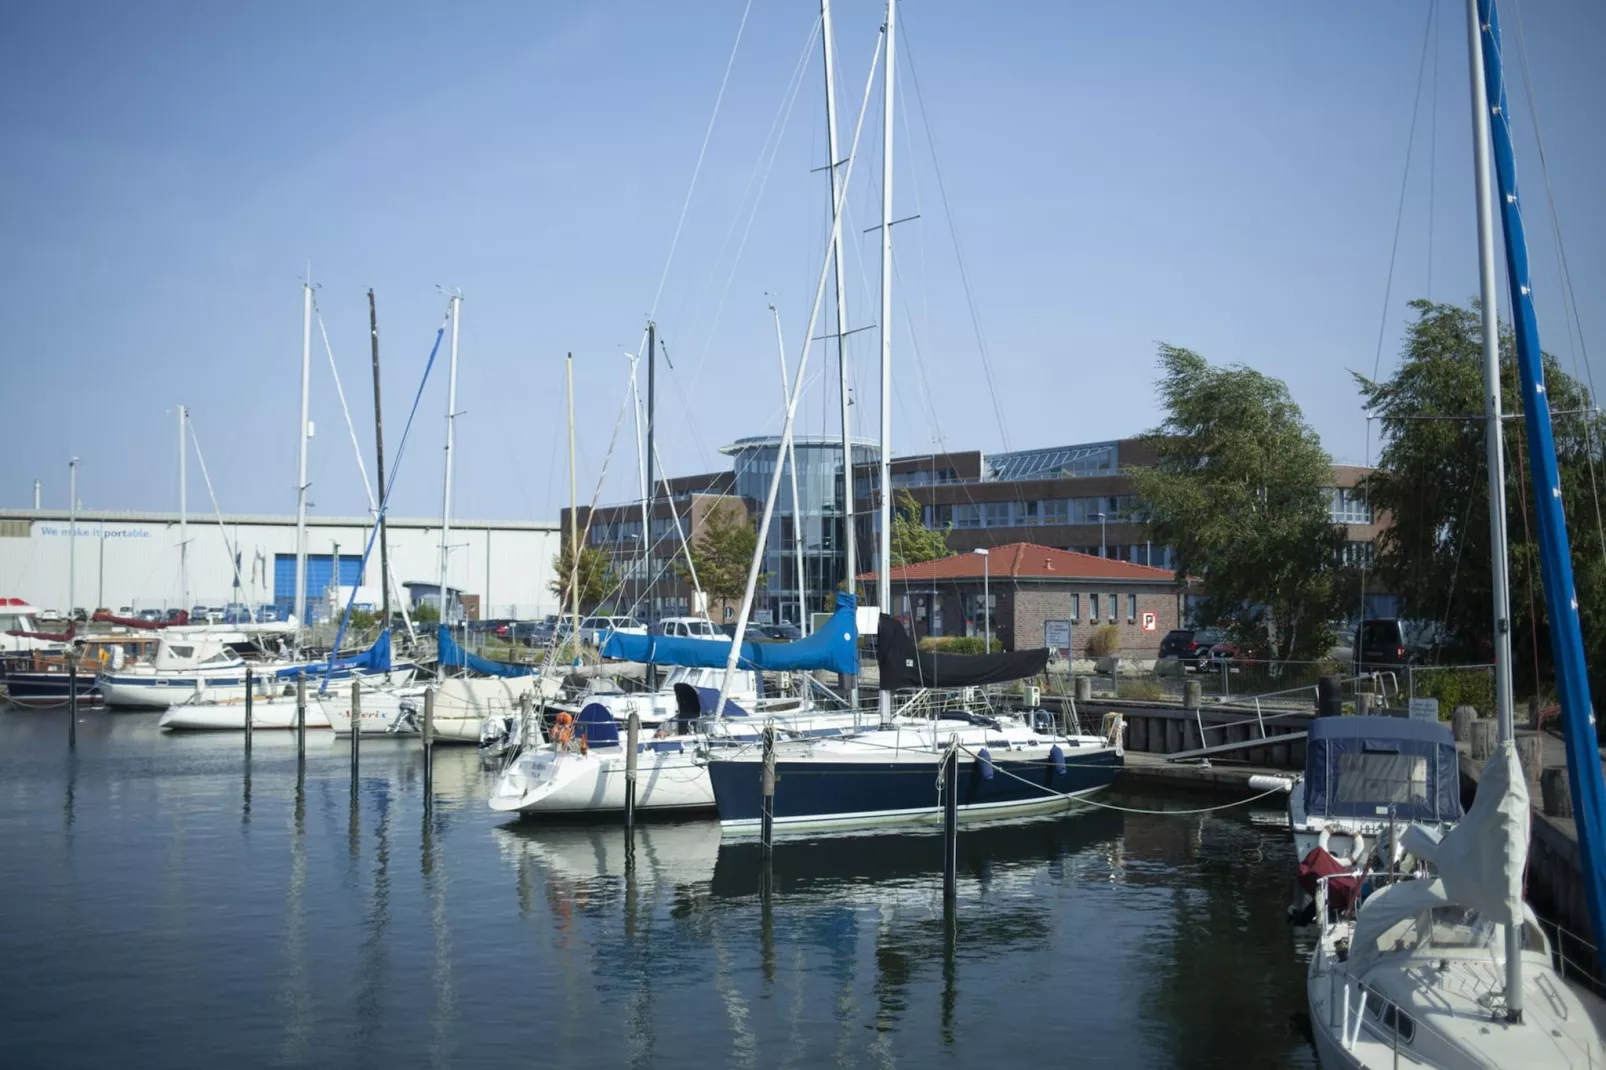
x=950 y=824
x=356 y=726
x=72 y=701
x=633 y=739
x=429 y=747
x=301 y=716
x=249 y=689
x=767 y=800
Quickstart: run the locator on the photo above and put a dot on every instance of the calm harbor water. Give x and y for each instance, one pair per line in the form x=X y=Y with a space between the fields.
x=166 y=904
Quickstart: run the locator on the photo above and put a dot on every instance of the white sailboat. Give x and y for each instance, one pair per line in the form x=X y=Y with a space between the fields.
x=1452 y=970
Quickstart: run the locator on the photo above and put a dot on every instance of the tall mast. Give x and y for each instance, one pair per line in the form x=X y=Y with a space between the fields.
x=574 y=522
x=183 y=518
x=301 y=463
x=379 y=456
x=641 y=471
x=884 y=565
x=72 y=539
x=446 y=491
x=646 y=532
x=850 y=557
x=1494 y=447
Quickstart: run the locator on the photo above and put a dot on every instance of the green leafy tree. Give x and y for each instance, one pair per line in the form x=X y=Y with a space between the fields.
x=595 y=569
x=723 y=553
x=1432 y=484
x=426 y=613
x=1238 y=491
x=912 y=541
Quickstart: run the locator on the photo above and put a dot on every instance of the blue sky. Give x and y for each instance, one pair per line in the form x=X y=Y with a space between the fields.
x=1224 y=177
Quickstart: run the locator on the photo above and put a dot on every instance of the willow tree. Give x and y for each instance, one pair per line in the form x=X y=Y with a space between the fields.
x=1239 y=491
x=1432 y=484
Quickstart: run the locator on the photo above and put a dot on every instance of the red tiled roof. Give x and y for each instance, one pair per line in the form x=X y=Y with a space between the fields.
x=1025 y=560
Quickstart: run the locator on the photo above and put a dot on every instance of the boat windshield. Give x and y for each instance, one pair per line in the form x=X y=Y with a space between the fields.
x=1455 y=928
x=1382 y=778
x=16 y=622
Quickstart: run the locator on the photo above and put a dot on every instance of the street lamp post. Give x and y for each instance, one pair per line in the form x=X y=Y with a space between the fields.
x=1101 y=536
x=986 y=596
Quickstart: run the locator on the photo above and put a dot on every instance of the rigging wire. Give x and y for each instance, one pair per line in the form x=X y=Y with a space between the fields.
x=701 y=154
x=1580 y=351
x=233 y=549
x=953 y=233
x=341 y=394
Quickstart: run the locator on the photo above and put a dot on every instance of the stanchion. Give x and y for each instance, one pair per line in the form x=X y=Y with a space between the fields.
x=526 y=708
x=767 y=802
x=950 y=824
x=301 y=717
x=429 y=748
x=249 y=689
x=356 y=726
x=633 y=740
x=72 y=701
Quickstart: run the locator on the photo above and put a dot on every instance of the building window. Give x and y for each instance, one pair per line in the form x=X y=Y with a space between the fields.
x=1131 y=608
x=998 y=514
x=1093 y=608
x=1348 y=505
x=967 y=516
x=1028 y=513
x=1114 y=608
x=1076 y=607
x=1052 y=511
x=1357 y=553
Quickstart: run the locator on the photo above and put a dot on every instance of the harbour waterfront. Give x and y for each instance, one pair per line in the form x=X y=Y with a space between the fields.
x=170 y=903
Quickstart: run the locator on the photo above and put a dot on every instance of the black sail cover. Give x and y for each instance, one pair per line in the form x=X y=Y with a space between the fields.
x=904 y=665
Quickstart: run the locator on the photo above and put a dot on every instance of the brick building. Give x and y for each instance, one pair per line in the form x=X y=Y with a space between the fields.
x=1041 y=596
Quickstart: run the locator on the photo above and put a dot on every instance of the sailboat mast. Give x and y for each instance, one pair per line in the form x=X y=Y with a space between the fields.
x=301 y=463
x=574 y=521
x=379 y=456
x=884 y=563
x=183 y=518
x=446 y=490
x=646 y=531
x=72 y=541
x=850 y=557
x=1494 y=446
x=643 y=552
x=789 y=458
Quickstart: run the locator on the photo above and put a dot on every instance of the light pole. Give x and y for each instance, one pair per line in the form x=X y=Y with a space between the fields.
x=1101 y=535
x=986 y=596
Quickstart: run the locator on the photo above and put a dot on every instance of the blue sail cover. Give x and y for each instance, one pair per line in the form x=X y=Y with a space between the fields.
x=834 y=647
x=453 y=656
x=375 y=659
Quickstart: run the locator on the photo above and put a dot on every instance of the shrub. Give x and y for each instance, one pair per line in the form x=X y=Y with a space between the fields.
x=1454 y=687
x=1105 y=640
x=959 y=644
x=1142 y=690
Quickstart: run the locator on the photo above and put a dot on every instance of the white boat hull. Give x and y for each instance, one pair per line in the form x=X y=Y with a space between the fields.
x=230 y=716
x=552 y=782
x=462 y=706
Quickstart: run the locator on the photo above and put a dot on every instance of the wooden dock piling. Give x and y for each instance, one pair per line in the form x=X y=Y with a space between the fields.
x=950 y=825
x=356 y=727
x=250 y=687
x=429 y=747
x=301 y=716
x=72 y=701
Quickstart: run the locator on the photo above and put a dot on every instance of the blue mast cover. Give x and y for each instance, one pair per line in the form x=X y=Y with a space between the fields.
x=452 y=656
x=1555 y=553
x=834 y=647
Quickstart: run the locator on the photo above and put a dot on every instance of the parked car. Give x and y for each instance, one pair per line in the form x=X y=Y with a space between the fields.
x=80 y=614
x=593 y=630
x=175 y=615
x=1191 y=646
x=125 y=611
x=1230 y=652
x=688 y=627
x=1383 y=643
x=150 y=614
x=785 y=633
x=49 y=614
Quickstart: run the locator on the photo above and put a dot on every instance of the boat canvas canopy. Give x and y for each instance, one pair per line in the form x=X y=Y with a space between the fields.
x=904 y=665
x=1372 y=767
x=452 y=656
x=834 y=647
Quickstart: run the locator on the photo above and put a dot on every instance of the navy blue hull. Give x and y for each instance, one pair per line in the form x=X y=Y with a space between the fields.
x=49 y=688
x=821 y=794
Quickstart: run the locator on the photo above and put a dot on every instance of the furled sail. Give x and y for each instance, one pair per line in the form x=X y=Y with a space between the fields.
x=452 y=656
x=904 y=665
x=375 y=659
x=833 y=647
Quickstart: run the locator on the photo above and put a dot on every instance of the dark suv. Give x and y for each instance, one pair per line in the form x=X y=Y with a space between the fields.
x=1191 y=646
x=1380 y=644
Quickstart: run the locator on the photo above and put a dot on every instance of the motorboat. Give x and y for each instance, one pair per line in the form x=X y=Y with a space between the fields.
x=209 y=680
x=42 y=678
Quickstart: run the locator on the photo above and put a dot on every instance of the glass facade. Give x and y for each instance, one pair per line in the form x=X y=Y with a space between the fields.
x=818 y=521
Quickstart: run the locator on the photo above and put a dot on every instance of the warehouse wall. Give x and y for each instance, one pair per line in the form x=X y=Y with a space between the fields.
x=125 y=559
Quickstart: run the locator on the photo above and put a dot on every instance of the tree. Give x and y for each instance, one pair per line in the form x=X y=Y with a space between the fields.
x=912 y=541
x=426 y=613
x=596 y=575
x=1238 y=492
x=1432 y=483
x=723 y=553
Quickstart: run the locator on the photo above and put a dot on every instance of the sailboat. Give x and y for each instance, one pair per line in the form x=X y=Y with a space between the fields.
x=1007 y=764
x=1452 y=969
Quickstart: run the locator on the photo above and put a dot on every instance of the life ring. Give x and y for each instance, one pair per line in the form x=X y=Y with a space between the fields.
x=1350 y=861
x=563 y=728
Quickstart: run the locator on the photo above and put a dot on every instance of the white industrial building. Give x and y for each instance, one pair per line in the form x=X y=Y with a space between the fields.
x=125 y=559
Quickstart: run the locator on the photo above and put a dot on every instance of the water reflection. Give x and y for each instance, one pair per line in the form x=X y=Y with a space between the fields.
x=296 y=994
